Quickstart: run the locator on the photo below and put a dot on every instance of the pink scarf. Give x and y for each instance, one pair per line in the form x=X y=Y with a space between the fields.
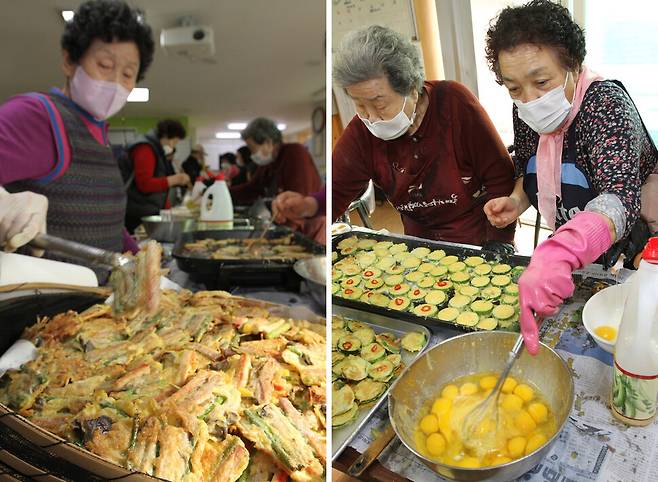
x=549 y=152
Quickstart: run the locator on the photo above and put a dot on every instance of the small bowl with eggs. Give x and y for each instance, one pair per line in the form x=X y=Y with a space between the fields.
x=602 y=315
x=428 y=403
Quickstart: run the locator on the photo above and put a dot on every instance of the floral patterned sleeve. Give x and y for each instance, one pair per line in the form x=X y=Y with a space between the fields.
x=611 y=140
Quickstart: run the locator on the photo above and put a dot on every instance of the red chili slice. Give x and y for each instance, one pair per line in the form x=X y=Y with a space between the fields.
x=416 y=292
x=441 y=283
x=349 y=291
x=374 y=282
x=370 y=293
x=425 y=308
x=399 y=301
x=368 y=273
x=397 y=287
x=374 y=348
x=350 y=282
x=347 y=345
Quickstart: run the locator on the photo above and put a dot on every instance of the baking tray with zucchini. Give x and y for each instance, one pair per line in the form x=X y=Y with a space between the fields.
x=369 y=352
x=427 y=282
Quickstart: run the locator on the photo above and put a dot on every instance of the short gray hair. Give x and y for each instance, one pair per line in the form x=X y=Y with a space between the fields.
x=378 y=51
x=261 y=129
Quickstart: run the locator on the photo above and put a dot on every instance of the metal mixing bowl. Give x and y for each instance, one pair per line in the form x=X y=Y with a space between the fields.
x=314 y=271
x=167 y=231
x=470 y=354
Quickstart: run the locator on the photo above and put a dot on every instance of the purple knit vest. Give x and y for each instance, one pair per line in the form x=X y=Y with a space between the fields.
x=87 y=203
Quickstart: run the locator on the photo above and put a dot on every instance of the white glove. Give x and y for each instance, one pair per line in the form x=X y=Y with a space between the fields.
x=22 y=217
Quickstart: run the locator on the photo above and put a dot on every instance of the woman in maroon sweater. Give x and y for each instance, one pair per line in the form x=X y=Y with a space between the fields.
x=429 y=146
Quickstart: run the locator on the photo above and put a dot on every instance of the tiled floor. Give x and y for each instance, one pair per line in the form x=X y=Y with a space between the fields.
x=385 y=216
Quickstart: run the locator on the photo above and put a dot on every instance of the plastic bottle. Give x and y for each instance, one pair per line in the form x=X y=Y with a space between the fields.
x=217 y=205
x=197 y=189
x=634 y=395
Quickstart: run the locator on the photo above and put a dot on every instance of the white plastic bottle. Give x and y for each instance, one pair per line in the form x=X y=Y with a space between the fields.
x=217 y=205
x=634 y=395
x=197 y=189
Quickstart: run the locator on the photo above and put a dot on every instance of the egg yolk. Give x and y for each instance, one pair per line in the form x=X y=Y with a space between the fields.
x=608 y=333
x=429 y=424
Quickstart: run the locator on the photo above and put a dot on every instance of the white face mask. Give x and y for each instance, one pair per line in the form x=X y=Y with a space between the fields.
x=100 y=98
x=546 y=114
x=392 y=128
x=260 y=159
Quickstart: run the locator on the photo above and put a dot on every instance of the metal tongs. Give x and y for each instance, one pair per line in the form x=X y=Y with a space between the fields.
x=90 y=254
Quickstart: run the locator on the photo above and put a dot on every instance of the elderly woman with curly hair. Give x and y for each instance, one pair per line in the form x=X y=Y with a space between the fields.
x=55 y=157
x=582 y=153
x=429 y=145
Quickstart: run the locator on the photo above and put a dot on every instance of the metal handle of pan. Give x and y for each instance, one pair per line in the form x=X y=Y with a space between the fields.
x=372 y=452
x=78 y=250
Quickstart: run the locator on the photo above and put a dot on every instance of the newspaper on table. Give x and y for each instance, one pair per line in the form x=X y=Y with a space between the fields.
x=593 y=445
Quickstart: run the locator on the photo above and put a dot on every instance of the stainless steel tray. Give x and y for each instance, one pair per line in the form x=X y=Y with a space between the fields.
x=341 y=437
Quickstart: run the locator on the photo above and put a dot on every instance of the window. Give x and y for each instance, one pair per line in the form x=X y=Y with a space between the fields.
x=622 y=44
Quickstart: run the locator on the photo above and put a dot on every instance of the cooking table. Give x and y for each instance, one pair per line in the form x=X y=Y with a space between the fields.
x=593 y=446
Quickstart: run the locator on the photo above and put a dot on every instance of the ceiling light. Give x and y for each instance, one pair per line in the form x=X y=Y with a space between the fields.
x=227 y=135
x=236 y=126
x=139 y=94
x=281 y=126
x=68 y=15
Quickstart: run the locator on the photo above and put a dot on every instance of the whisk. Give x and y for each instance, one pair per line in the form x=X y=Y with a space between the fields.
x=476 y=433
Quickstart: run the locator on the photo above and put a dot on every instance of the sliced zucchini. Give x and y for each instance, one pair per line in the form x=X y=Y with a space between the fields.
x=385 y=263
x=467 y=290
x=389 y=342
x=337 y=369
x=349 y=344
x=439 y=271
x=501 y=280
x=383 y=245
x=512 y=300
x=448 y=314
x=334 y=256
x=399 y=290
x=491 y=293
x=503 y=312
x=381 y=370
x=337 y=335
x=396 y=270
x=468 y=318
x=379 y=299
x=460 y=277
x=336 y=357
x=510 y=324
x=410 y=262
x=351 y=282
x=426 y=282
x=366 y=243
x=342 y=399
x=414 y=276
x=337 y=322
x=355 y=368
x=482 y=270
x=398 y=248
x=347 y=242
x=399 y=303
x=335 y=287
x=455 y=267
x=501 y=268
x=365 y=335
x=443 y=285
x=487 y=324
x=351 y=293
x=365 y=297
x=345 y=418
x=512 y=289
x=399 y=257
x=395 y=359
x=436 y=255
x=516 y=273
x=435 y=297
x=482 y=307
x=459 y=301
x=371 y=273
x=351 y=269
x=448 y=260
x=380 y=252
x=474 y=261
x=373 y=352
x=426 y=267
x=336 y=274
x=368 y=391
x=425 y=310
x=481 y=281
x=354 y=325
x=366 y=259
x=374 y=283
x=348 y=251
x=417 y=294
x=413 y=341
x=420 y=252
x=393 y=280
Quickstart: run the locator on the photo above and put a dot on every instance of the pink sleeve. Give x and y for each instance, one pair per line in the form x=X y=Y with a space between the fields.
x=28 y=148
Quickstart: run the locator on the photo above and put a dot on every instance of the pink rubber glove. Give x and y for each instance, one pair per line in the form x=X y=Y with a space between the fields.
x=546 y=282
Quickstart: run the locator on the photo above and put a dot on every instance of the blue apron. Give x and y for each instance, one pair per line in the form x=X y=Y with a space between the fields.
x=577 y=189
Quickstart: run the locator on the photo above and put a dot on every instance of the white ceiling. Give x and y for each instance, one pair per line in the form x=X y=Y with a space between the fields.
x=269 y=59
